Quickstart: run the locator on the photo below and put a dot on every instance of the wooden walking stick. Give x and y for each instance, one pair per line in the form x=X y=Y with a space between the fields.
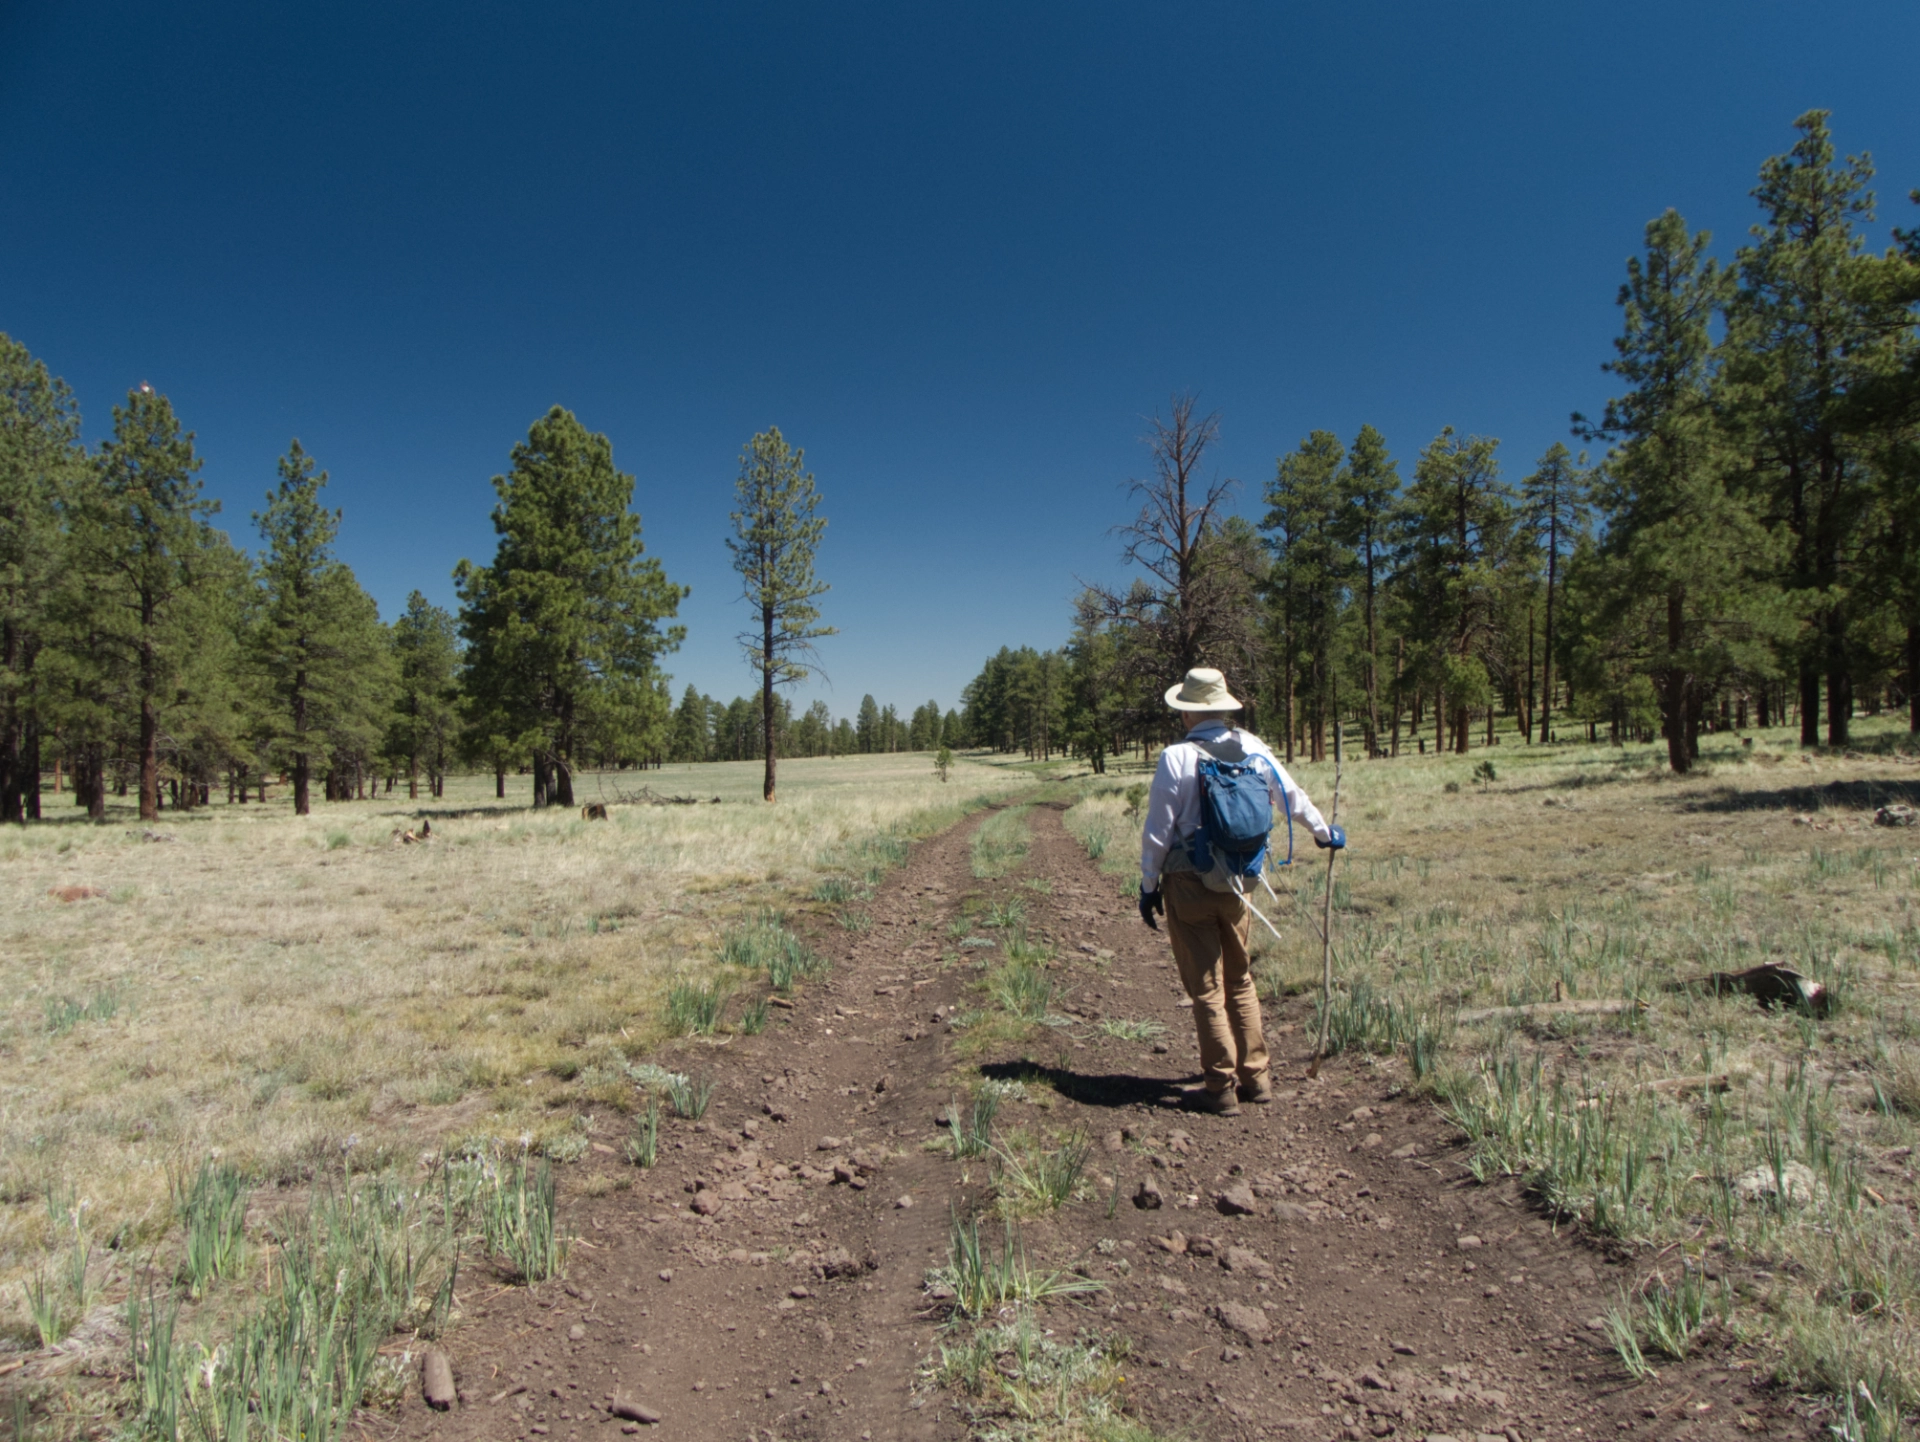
x=1326 y=909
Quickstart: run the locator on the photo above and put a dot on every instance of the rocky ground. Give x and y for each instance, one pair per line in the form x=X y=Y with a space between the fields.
x=1318 y=1268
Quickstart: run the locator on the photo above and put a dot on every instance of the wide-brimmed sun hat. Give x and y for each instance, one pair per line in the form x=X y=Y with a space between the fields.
x=1204 y=689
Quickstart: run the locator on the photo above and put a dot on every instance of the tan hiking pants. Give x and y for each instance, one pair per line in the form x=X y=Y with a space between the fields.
x=1209 y=930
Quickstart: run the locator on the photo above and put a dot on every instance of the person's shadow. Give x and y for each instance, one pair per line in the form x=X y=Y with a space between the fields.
x=1110 y=1089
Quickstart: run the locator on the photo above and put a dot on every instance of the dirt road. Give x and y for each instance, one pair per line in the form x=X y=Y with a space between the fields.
x=1318 y=1268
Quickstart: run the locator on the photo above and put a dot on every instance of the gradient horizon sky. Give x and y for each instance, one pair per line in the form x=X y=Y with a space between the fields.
x=957 y=253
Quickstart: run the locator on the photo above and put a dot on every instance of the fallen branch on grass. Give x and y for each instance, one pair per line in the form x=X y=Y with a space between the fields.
x=1673 y=1086
x=647 y=796
x=1552 y=1008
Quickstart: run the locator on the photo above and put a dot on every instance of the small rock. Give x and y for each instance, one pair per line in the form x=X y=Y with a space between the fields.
x=800 y=1294
x=1896 y=815
x=902 y=1203
x=1405 y=1349
x=634 y=1412
x=666 y=1274
x=577 y=1333
x=706 y=1203
x=1160 y=1048
x=1147 y=1196
x=1249 y=1322
x=1360 y=1114
x=1406 y=1153
x=1796 y=1181
x=1466 y=1242
x=844 y=1172
x=1115 y=1142
x=1174 y=1242
x=1231 y=1354
x=1236 y=1201
x=1201 y=1247
x=829 y=1144
x=436 y=1380
x=1246 y=1262
x=1291 y=1212
x=1372 y=1139
x=838 y=1262
x=1374 y=1381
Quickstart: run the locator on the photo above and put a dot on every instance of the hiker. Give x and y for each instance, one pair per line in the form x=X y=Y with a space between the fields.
x=1203 y=899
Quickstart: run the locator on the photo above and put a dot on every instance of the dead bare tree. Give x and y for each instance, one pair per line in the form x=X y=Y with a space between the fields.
x=1190 y=613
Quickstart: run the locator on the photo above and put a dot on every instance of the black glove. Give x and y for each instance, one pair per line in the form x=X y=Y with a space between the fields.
x=1338 y=841
x=1150 y=902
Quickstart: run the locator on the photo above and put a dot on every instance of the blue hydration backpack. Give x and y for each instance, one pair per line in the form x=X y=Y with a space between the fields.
x=1236 y=816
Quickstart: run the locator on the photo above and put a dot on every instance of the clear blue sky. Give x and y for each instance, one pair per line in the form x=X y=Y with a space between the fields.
x=957 y=252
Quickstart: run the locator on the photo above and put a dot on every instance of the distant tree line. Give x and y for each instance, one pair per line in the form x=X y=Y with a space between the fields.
x=708 y=730
x=1744 y=552
x=142 y=652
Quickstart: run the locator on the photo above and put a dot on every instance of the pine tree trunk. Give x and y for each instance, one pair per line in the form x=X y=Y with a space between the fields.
x=1809 y=704
x=766 y=696
x=500 y=783
x=1839 y=689
x=1674 y=688
x=149 y=760
x=96 y=786
x=563 y=782
x=1913 y=678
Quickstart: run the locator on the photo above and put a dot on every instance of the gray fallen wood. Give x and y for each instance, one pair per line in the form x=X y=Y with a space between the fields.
x=634 y=1412
x=1550 y=1008
x=436 y=1380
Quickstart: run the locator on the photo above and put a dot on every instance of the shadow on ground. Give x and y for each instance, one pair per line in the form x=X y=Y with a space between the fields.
x=1109 y=1089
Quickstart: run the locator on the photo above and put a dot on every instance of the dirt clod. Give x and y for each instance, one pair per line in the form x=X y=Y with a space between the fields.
x=1147 y=1196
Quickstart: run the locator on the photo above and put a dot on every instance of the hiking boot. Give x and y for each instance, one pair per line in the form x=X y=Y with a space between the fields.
x=1258 y=1090
x=1219 y=1104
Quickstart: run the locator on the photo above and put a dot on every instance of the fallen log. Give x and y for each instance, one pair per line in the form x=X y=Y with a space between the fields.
x=1551 y=1008
x=1680 y=1086
x=436 y=1380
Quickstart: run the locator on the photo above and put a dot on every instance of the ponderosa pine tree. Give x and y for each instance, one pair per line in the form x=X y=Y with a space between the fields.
x=1806 y=329
x=1456 y=528
x=1310 y=566
x=1688 y=554
x=1554 y=507
x=866 y=726
x=775 y=535
x=564 y=629
x=426 y=704
x=40 y=457
x=142 y=544
x=1368 y=486
x=690 y=740
x=322 y=657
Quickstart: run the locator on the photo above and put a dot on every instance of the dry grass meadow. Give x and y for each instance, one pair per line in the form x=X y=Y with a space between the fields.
x=1779 y=1210
x=298 y=996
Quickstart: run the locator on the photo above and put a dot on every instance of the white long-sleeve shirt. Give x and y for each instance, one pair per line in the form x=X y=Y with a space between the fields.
x=1173 y=805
